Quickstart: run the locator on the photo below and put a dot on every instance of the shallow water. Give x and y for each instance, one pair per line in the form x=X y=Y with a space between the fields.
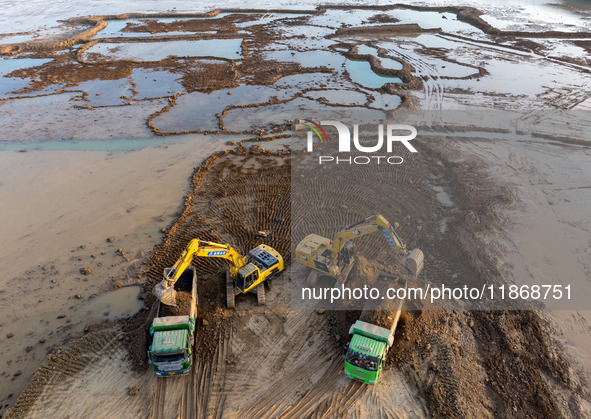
x=156 y=51
x=385 y=101
x=14 y=39
x=388 y=63
x=199 y=111
x=361 y=73
x=113 y=305
x=152 y=84
x=339 y=97
x=430 y=20
x=423 y=63
x=305 y=108
x=114 y=29
x=307 y=58
x=8 y=65
x=116 y=144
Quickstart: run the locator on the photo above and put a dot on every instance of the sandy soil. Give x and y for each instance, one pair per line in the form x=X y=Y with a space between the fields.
x=466 y=202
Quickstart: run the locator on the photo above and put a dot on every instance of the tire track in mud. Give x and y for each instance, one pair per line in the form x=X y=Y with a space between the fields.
x=273 y=362
x=307 y=353
x=92 y=378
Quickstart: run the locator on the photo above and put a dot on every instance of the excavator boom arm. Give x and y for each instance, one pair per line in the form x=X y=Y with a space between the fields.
x=368 y=225
x=204 y=248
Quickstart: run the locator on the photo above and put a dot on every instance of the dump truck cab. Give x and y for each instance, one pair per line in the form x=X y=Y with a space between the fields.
x=170 y=353
x=365 y=353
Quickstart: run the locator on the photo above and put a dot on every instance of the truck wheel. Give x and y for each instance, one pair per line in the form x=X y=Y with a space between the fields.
x=230 y=296
x=261 y=295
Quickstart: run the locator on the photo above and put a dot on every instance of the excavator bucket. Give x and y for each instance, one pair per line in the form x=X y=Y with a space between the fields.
x=166 y=294
x=414 y=261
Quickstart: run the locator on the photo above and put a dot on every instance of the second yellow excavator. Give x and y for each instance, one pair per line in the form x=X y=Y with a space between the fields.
x=334 y=257
x=245 y=273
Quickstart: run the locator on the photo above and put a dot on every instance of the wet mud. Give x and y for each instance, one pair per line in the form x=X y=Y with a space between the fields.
x=450 y=363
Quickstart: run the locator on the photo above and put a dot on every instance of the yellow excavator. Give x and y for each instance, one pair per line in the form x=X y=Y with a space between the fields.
x=335 y=257
x=245 y=273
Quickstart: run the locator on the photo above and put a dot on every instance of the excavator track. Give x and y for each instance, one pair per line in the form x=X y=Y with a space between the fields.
x=230 y=294
x=342 y=278
x=261 y=294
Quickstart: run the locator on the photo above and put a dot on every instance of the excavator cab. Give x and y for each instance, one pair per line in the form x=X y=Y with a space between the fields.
x=246 y=277
x=347 y=255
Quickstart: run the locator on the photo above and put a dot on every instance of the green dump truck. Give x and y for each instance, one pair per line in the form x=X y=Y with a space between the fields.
x=173 y=329
x=366 y=352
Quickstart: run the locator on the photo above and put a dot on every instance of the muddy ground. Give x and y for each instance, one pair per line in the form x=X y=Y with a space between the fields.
x=458 y=364
x=273 y=361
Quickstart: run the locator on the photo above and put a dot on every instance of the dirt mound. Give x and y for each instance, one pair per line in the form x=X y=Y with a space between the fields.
x=182 y=308
x=362 y=269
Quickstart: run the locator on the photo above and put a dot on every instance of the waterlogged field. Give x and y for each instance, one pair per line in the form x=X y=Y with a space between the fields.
x=105 y=117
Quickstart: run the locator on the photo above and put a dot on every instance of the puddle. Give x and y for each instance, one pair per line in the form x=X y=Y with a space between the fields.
x=339 y=97
x=8 y=65
x=115 y=27
x=279 y=114
x=435 y=41
x=386 y=62
x=429 y=20
x=443 y=226
x=537 y=17
x=306 y=31
x=266 y=18
x=443 y=197
x=385 y=101
x=564 y=48
x=342 y=49
x=15 y=39
x=361 y=73
x=8 y=85
x=156 y=51
x=506 y=77
x=335 y=18
x=112 y=305
x=199 y=111
x=153 y=84
x=307 y=58
x=312 y=80
x=109 y=92
x=425 y=64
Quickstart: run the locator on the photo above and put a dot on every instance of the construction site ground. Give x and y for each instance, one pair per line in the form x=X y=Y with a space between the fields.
x=458 y=202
